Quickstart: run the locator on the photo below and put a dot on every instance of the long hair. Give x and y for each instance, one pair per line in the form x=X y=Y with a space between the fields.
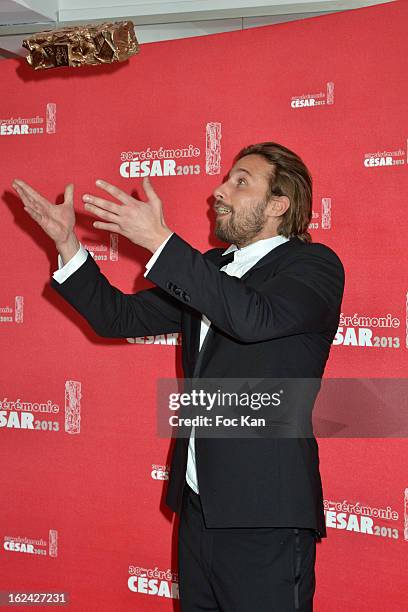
x=289 y=177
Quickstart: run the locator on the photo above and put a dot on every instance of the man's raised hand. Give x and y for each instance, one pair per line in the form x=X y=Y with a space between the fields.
x=57 y=220
x=141 y=222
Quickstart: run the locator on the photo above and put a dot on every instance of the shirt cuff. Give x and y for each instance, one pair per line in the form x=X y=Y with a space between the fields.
x=71 y=266
x=156 y=254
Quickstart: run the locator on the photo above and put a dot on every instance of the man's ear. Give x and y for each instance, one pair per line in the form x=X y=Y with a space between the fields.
x=277 y=206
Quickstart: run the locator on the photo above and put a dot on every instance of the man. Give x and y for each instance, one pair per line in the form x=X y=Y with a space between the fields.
x=251 y=509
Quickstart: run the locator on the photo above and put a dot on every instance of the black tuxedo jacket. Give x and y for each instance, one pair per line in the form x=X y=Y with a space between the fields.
x=278 y=320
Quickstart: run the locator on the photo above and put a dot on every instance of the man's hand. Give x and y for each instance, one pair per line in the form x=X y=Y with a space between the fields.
x=141 y=222
x=57 y=221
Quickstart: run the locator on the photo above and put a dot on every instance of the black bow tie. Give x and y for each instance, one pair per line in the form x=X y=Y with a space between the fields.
x=226 y=259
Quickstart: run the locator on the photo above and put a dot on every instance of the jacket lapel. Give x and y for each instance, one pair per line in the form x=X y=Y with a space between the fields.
x=216 y=257
x=274 y=255
x=194 y=341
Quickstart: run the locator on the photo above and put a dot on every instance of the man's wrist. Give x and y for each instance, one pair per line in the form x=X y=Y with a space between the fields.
x=159 y=238
x=68 y=248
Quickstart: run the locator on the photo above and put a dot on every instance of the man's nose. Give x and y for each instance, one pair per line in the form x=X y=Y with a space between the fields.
x=219 y=192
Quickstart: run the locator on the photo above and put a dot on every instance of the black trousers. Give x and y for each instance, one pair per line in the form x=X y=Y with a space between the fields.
x=243 y=570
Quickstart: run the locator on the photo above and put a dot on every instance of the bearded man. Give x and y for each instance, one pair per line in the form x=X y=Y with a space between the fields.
x=251 y=510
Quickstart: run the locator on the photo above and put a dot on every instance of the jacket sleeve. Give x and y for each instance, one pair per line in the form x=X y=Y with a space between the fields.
x=303 y=297
x=114 y=314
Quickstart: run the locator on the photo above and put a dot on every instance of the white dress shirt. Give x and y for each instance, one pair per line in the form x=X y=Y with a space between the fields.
x=244 y=259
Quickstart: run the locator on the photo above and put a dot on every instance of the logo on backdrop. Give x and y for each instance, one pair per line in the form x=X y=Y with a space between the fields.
x=153 y=582
x=27 y=126
x=314 y=99
x=169 y=339
x=386 y=158
x=183 y=160
x=372 y=331
x=15 y=313
x=31 y=546
x=323 y=219
x=160 y=472
x=105 y=252
x=44 y=416
x=365 y=519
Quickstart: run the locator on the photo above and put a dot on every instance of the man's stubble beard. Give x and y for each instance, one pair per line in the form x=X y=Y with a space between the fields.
x=243 y=229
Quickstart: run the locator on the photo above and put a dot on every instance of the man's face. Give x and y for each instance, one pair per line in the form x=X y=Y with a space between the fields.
x=240 y=202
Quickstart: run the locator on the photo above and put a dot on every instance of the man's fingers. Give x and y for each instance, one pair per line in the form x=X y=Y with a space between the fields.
x=117 y=193
x=149 y=191
x=36 y=216
x=101 y=203
x=110 y=227
x=69 y=194
x=27 y=201
x=101 y=213
x=31 y=193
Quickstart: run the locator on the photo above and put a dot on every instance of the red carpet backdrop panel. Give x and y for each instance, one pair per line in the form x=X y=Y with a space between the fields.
x=83 y=469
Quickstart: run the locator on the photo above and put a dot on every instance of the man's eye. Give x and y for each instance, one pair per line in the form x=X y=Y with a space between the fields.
x=241 y=181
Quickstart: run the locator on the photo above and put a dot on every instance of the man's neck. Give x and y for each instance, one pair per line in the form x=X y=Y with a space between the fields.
x=256 y=239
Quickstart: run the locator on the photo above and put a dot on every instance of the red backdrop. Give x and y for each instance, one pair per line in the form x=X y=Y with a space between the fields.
x=82 y=487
